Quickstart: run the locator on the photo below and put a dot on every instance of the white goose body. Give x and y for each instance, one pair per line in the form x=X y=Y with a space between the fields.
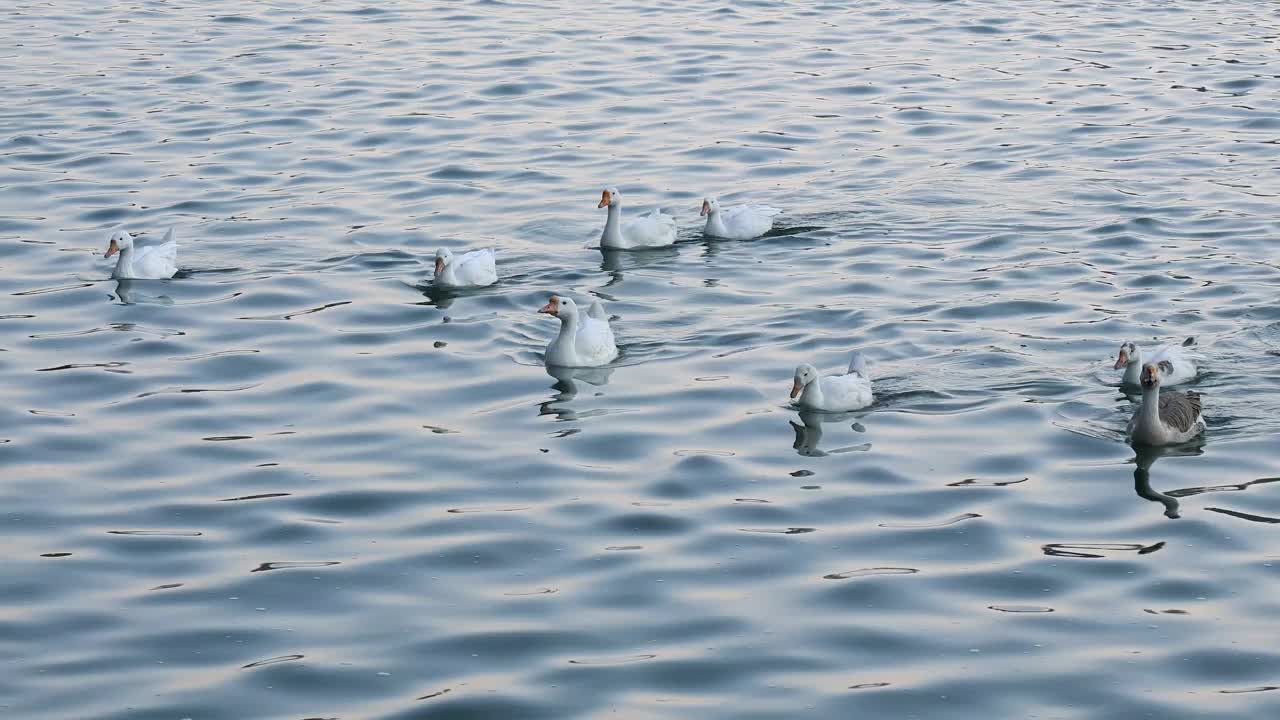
x=147 y=262
x=651 y=230
x=1164 y=419
x=833 y=393
x=585 y=339
x=474 y=269
x=742 y=222
x=1175 y=363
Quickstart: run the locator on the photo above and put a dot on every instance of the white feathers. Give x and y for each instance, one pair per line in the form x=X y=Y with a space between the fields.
x=651 y=230
x=158 y=261
x=741 y=222
x=477 y=268
x=833 y=393
x=584 y=340
x=1175 y=362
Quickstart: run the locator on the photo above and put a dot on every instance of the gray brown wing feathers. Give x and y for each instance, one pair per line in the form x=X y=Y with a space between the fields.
x=1179 y=410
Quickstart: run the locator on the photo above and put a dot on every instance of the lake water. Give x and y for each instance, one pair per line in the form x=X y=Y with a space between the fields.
x=297 y=482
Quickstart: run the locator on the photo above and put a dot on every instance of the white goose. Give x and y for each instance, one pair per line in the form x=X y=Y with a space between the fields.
x=737 y=223
x=157 y=261
x=1174 y=362
x=585 y=339
x=833 y=393
x=474 y=269
x=1164 y=419
x=651 y=230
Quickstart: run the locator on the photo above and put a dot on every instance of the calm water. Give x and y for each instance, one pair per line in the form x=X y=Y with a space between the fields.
x=296 y=482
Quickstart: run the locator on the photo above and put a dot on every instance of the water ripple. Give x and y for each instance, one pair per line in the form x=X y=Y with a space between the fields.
x=985 y=200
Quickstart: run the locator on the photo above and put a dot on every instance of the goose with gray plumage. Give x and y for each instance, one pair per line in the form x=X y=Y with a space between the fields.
x=1164 y=418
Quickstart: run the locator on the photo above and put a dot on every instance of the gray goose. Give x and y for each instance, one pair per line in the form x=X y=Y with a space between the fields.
x=1164 y=418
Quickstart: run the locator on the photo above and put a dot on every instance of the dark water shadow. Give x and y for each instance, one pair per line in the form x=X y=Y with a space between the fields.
x=808 y=433
x=443 y=296
x=616 y=263
x=571 y=381
x=1144 y=458
x=129 y=292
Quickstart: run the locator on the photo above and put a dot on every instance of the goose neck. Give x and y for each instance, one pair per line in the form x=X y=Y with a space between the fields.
x=612 y=234
x=124 y=265
x=715 y=224
x=448 y=276
x=1150 y=410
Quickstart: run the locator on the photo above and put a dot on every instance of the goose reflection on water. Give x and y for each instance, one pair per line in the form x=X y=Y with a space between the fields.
x=569 y=382
x=127 y=291
x=809 y=433
x=440 y=297
x=617 y=262
x=1144 y=458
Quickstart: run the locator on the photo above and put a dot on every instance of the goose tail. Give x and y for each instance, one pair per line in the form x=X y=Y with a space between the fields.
x=858 y=364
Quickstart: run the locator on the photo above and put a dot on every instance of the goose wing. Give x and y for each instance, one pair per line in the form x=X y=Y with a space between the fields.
x=748 y=221
x=594 y=342
x=478 y=267
x=653 y=229
x=142 y=243
x=156 y=260
x=1179 y=410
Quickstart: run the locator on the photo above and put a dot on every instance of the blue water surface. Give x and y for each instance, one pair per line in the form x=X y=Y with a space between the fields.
x=296 y=481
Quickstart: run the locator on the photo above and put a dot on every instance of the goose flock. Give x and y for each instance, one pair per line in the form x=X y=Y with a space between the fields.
x=586 y=339
x=1162 y=418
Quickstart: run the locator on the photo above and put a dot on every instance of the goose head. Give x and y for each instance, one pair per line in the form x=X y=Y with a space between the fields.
x=805 y=374
x=710 y=205
x=610 y=197
x=120 y=240
x=1150 y=376
x=1128 y=354
x=559 y=307
x=443 y=257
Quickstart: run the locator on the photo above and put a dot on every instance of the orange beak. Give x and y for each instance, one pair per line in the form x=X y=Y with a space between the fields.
x=552 y=307
x=796 y=387
x=439 y=265
x=706 y=208
x=112 y=249
x=604 y=199
x=1122 y=360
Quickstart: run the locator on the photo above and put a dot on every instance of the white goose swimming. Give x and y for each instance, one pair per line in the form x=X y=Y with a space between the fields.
x=157 y=261
x=651 y=230
x=1164 y=419
x=1174 y=362
x=833 y=393
x=474 y=269
x=742 y=222
x=585 y=339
